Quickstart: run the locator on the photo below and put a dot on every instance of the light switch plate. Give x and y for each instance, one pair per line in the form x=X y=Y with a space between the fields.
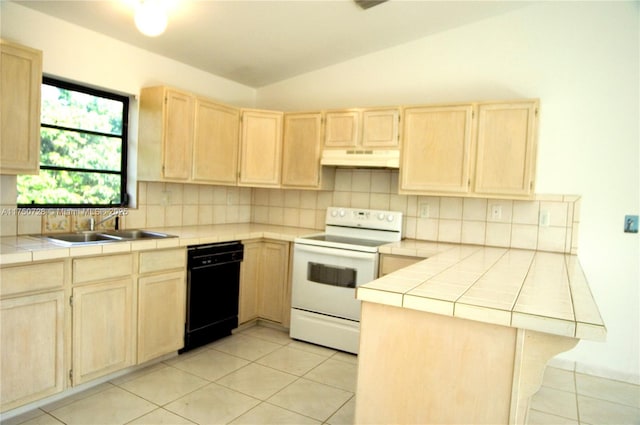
x=631 y=224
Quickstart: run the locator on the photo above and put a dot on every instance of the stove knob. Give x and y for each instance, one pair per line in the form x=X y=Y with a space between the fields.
x=380 y=216
x=334 y=213
x=342 y=213
x=390 y=218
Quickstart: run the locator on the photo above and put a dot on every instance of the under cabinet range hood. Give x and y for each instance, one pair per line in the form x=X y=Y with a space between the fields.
x=361 y=158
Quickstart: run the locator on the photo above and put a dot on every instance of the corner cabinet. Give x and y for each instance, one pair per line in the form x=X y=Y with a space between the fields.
x=249 y=281
x=260 y=148
x=481 y=149
x=21 y=80
x=265 y=289
x=274 y=290
x=184 y=138
x=301 y=153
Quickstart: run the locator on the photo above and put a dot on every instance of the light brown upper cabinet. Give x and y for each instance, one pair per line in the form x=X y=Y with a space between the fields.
x=301 y=153
x=483 y=149
x=506 y=148
x=436 y=149
x=260 y=148
x=165 y=137
x=380 y=128
x=367 y=128
x=215 y=146
x=186 y=138
x=342 y=129
x=21 y=80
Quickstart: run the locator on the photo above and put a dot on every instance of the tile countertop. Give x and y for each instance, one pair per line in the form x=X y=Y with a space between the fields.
x=541 y=291
x=24 y=249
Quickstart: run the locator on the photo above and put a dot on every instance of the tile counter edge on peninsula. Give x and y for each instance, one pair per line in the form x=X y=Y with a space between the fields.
x=472 y=329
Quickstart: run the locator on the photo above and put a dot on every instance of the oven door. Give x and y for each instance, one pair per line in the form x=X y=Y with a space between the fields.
x=324 y=279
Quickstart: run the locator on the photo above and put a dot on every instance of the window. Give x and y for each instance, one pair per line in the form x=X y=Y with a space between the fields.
x=83 y=151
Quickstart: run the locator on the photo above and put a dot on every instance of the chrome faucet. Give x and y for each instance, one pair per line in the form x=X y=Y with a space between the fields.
x=93 y=223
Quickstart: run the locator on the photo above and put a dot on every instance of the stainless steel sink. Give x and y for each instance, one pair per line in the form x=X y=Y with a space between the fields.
x=89 y=238
x=135 y=234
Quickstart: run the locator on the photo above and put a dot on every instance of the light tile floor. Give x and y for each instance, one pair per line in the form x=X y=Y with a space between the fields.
x=261 y=376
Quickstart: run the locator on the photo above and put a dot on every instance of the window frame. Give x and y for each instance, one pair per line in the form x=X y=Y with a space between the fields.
x=124 y=198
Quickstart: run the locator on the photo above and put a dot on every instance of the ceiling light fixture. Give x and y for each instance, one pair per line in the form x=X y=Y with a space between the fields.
x=151 y=17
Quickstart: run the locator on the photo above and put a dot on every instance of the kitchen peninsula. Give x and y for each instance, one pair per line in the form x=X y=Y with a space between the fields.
x=464 y=335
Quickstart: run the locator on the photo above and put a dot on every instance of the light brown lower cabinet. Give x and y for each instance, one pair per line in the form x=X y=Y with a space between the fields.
x=104 y=326
x=34 y=314
x=249 y=277
x=162 y=293
x=265 y=289
x=32 y=348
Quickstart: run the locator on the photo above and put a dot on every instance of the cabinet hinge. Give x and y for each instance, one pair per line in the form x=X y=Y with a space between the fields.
x=71 y=301
x=535 y=111
x=71 y=375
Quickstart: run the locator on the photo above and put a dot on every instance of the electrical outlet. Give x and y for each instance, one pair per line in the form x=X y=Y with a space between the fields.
x=496 y=212
x=424 y=210
x=631 y=224
x=545 y=218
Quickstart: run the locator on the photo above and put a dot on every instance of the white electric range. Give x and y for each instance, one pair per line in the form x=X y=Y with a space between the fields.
x=328 y=267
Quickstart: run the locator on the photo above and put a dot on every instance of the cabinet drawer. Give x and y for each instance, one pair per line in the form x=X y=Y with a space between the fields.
x=391 y=263
x=154 y=261
x=31 y=278
x=102 y=268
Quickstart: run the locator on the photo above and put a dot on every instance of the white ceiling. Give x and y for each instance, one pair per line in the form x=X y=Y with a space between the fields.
x=261 y=42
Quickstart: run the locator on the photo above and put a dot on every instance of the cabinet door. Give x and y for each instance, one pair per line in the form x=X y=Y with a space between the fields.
x=161 y=314
x=380 y=128
x=215 y=145
x=20 y=79
x=177 y=135
x=301 y=150
x=436 y=147
x=342 y=129
x=103 y=329
x=273 y=275
x=249 y=281
x=261 y=148
x=506 y=148
x=32 y=341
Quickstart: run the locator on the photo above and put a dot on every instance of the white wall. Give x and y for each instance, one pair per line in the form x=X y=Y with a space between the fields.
x=78 y=54
x=582 y=61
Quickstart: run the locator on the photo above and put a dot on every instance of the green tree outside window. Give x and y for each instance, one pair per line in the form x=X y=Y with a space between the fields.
x=83 y=149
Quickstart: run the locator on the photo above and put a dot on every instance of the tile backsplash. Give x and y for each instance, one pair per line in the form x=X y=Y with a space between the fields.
x=494 y=222
x=442 y=219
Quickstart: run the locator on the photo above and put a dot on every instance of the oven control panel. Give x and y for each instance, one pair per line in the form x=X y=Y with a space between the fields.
x=370 y=219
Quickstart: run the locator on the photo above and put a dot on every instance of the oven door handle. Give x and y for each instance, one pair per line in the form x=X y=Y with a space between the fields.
x=334 y=251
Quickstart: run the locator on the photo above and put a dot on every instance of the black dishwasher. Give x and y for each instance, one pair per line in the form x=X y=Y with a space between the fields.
x=213 y=286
